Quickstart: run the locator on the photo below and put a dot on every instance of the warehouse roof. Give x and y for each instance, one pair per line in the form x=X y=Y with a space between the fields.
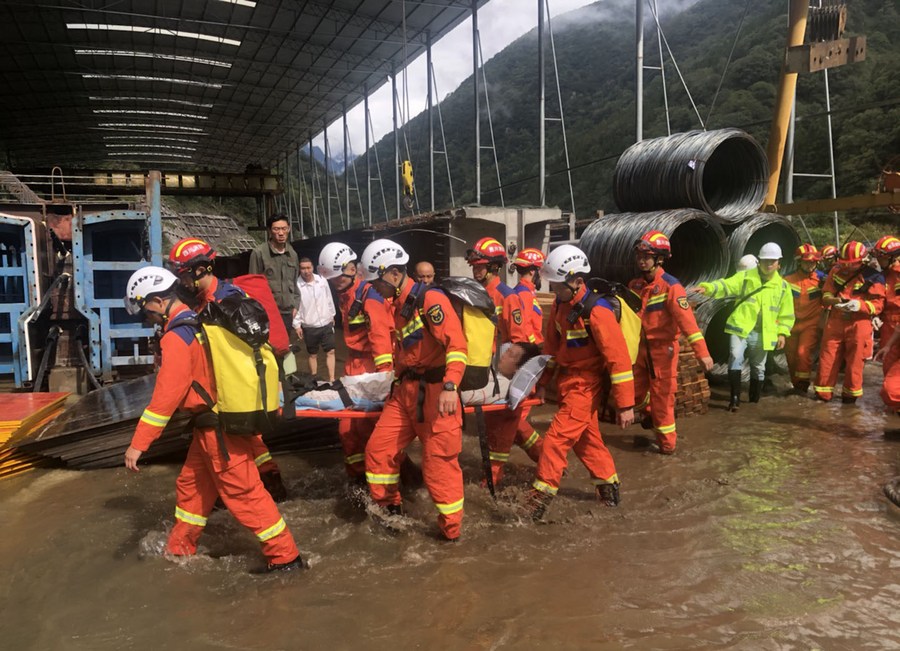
x=196 y=84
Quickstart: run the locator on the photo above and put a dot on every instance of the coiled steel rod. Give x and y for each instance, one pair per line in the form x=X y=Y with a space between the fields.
x=699 y=250
x=722 y=172
x=760 y=228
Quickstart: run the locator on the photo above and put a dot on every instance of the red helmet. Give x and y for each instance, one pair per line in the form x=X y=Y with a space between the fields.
x=807 y=253
x=529 y=258
x=887 y=245
x=853 y=252
x=487 y=250
x=829 y=252
x=655 y=242
x=189 y=253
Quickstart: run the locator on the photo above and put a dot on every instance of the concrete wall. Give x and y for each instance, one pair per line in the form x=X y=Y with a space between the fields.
x=523 y=227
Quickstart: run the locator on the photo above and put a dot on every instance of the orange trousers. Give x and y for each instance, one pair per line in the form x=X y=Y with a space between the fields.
x=506 y=427
x=657 y=394
x=890 y=390
x=847 y=340
x=441 y=438
x=575 y=426
x=205 y=476
x=799 y=350
x=355 y=432
x=891 y=323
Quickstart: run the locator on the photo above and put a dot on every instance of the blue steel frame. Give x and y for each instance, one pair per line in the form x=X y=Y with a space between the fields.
x=23 y=268
x=104 y=335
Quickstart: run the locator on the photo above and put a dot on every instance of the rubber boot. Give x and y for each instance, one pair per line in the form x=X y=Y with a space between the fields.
x=296 y=564
x=609 y=494
x=755 y=389
x=734 y=379
x=801 y=387
x=538 y=502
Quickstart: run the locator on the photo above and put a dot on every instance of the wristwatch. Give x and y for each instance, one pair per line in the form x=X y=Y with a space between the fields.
x=449 y=386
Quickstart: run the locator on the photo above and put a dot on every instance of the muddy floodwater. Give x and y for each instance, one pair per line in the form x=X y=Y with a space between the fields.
x=767 y=530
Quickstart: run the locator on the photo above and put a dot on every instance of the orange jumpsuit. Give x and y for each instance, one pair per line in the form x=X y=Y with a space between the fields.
x=582 y=358
x=848 y=335
x=804 y=339
x=369 y=349
x=520 y=320
x=891 y=315
x=207 y=473
x=664 y=311
x=216 y=292
x=431 y=351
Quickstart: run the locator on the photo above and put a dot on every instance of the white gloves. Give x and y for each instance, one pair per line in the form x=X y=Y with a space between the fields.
x=849 y=306
x=877 y=323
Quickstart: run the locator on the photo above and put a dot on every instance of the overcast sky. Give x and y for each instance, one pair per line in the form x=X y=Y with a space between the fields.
x=500 y=22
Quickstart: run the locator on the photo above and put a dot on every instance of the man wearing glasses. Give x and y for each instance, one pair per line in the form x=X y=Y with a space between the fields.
x=277 y=260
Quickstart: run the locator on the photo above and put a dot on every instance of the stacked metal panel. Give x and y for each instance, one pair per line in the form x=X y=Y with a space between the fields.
x=18 y=292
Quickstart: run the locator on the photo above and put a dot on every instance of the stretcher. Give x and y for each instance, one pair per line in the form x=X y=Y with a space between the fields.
x=351 y=413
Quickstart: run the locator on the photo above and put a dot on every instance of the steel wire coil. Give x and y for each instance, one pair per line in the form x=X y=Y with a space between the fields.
x=699 y=247
x=723 y=172
x=760 y=228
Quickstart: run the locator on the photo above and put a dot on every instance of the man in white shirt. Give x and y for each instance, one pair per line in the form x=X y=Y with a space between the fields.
x=314 y=318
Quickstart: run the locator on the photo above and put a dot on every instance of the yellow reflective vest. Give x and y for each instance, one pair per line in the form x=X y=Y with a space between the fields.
x=772 y=306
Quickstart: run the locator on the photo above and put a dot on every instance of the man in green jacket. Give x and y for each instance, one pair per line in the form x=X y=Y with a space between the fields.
x=761 y=321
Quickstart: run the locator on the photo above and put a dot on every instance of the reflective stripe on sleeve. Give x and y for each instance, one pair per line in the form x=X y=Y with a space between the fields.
x=619 y=378
x=261 y=459
x=499 y=457
x=697 y=336
x=457 y=356
x=154 y=419
x=385 y=358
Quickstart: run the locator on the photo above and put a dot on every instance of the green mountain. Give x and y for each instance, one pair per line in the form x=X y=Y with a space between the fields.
x=595 y=48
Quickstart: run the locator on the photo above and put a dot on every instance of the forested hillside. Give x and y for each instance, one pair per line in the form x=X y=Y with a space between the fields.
x=595 y=57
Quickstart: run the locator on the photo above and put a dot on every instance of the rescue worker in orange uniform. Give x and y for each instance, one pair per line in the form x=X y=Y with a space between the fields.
x=216 y=465
x=486 y=258
x=523 y=323
x=829 y=255
x=887 y=253
x=890 y=390
x=192 y=260
x=855 y=293
x=368 y=332
x=585 y=344
x=806 y=288
x=430 y=361
x=664 y=312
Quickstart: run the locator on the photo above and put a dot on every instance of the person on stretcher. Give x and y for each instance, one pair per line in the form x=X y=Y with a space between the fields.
x=518 y=369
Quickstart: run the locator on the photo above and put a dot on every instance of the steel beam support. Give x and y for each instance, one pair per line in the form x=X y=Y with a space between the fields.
x=327 y=185
x=542 y=137
x=428 y=75
x=787 y=86
x=368 y=155
x=639 y=70
x=477 y=116
x=300 y=194
x=312 y=185
x=346 y=167
x=396 y=136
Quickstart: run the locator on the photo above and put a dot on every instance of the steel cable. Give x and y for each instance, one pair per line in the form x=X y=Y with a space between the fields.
x=699 y=250
x=760 y=228
x=722 y=172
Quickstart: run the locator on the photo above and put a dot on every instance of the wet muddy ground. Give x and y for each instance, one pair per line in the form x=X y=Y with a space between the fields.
x=767 y=530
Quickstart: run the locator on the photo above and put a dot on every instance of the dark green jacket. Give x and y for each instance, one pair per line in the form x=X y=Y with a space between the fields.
x=281 y=270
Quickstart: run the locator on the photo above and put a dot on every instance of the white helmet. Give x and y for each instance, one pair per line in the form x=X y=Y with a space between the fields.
x=748 y=262
x=563 y=263
x=145 y=283
x=770 y=251
x=333 y=258
x=380 y=255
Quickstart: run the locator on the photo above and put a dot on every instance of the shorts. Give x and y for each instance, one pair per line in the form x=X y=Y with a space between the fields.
x=314 y=338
